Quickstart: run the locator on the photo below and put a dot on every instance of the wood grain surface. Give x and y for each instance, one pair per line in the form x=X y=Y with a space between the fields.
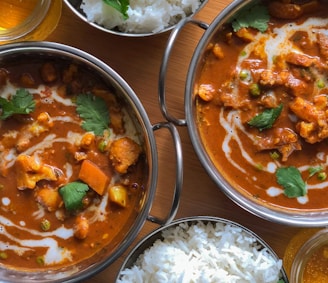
x=138 y=61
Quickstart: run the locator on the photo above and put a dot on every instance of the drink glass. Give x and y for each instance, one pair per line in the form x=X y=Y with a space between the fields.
x=27 y=20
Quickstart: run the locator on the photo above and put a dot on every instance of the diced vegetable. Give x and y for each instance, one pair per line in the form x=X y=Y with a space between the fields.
x=81 y=227
x=29 y=171
x=94 y=177
x=118 y=195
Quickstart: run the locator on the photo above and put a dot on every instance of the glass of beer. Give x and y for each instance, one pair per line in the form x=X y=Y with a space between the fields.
x=23 y=20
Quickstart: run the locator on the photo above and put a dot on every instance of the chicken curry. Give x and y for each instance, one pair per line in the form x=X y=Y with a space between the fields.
x=262 y=103
x=72 y=164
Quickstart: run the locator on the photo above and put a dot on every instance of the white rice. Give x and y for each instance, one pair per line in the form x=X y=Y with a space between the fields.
x=145 y=16
x=204 y=253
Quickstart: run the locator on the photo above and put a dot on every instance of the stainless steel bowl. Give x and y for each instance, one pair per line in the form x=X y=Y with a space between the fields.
x=20 y=52
x=74 y=5
x=308 y=218
x=148 y=241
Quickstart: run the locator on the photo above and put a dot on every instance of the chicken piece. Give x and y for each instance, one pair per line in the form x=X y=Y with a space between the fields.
x=245 y=34
x=80 y=155
x=123 y=153
x=297 y=87
x=287 y=11
x=48 y=72
x=282 y=139
x=313 y=126
x=81 y=227
x=323 y=45
x=206 y=92
x=217 y=51
x=49 y=198
x=269 y=78
x=284 y=78
x=29 y=171
x=42 y=124
x=304 y=110
x=27 y=80
x=116 y=121
x=69 y=74
x=23 y=141
x=301 y=60
x=87 y=140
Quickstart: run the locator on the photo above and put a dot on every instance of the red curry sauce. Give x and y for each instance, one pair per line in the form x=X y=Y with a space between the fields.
x=248 y=73
x=44 y=150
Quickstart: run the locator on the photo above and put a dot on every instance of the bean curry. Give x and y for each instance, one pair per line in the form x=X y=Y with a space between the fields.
x=72 y=164
x=262 y=103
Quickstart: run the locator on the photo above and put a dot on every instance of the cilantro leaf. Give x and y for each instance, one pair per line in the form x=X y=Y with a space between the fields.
x=256 y=17
x=291 y=180
x=266 y=119
x=73 y=194
x=120 y=5
x=93 y=110
x=21 y=103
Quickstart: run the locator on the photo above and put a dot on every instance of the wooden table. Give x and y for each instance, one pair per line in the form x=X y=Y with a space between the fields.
x=138 y=61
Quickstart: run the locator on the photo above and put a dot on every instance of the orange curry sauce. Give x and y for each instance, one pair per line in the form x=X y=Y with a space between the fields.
x=42 y=151
x=247 y=72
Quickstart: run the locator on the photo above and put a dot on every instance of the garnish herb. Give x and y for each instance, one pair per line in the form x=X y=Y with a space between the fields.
x=94 y=112
x=266 y=119
x=21 y=103
x=291 y=180
x=120 y=5
x=73 y=194
x=256 y=17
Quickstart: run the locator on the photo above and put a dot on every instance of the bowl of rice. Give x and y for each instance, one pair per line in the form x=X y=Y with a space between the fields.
x=202 y=249
x=134 y=18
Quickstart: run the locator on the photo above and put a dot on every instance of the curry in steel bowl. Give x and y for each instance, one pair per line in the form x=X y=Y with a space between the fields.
x=73 y=169
x=262 y=103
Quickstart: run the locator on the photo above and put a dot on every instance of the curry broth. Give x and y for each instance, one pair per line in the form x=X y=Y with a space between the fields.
x=24 y=242
x=242 y=76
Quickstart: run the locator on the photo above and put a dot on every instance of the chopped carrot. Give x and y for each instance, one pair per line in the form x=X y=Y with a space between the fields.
x=94 y=177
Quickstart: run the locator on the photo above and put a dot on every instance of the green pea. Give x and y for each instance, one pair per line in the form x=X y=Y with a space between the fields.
x=320 y=84
x=322 y=176
x=244 y=74
x=45 y=224
x=254 y=89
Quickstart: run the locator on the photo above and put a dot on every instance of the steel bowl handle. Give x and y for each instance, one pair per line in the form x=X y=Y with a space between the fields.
x=163 y=69
x=179 y=174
